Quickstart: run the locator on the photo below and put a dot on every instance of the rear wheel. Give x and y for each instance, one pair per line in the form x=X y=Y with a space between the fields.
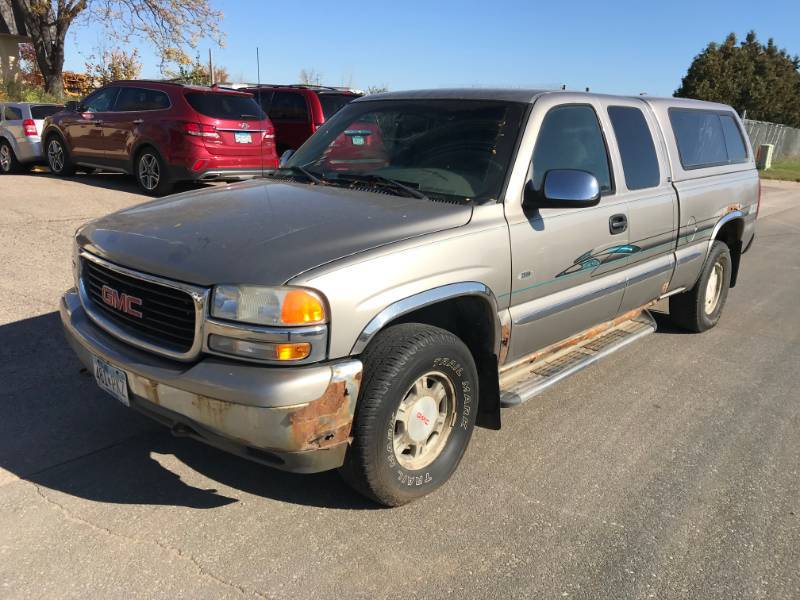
x=8 y=160
x=700 y=308
x=152 y=174
x=415 y=414
x=58 y=158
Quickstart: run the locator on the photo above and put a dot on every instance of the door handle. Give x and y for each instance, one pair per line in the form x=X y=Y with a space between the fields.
x=617 y=224
x=138 y=121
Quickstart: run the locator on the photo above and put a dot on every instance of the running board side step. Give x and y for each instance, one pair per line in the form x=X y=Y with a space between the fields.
x=530 y=376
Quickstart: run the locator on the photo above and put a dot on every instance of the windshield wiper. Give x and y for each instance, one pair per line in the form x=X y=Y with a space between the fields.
x=381 y=180
x=303 y=172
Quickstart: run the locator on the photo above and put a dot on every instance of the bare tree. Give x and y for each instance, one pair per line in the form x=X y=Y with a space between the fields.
x=172 y=26
x=310 y=77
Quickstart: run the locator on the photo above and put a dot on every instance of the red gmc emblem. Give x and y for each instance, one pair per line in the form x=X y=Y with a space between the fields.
x=121 y=302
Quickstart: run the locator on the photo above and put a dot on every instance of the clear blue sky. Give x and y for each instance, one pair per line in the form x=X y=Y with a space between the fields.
x=610 y=46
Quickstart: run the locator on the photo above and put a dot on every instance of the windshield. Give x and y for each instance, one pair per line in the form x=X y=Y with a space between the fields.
x=225 y=106
x=455 y=148
x=333 y=103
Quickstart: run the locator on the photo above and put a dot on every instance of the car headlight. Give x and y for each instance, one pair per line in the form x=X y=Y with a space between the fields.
x=282 y=306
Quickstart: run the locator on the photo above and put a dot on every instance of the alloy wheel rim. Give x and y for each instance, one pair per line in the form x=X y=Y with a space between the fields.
x=5 y=158
x=55 y=156
x=713 y=288
x=423 y=421
x=149 y=172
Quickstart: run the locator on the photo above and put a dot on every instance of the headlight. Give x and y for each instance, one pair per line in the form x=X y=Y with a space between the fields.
x=286 y=306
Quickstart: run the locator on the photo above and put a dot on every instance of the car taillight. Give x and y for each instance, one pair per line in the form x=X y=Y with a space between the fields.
x=201 y=130
x=758 y=205
x=269 y=133
x=29 y=127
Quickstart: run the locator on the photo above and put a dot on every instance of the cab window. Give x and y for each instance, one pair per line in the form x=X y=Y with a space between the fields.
x=571 y=138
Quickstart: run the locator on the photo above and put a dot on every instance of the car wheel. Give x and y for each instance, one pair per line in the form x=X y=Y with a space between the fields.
x=152 y=174
x=8 y=160
x=58 y=158
x=700 y=308
x=415 y=414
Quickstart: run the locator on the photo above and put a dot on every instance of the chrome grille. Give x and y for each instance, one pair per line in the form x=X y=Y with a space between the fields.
x=168 y=315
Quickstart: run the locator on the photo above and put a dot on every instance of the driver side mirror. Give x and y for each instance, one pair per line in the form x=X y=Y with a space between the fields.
x=73 y=106
x=285 y=157
x=564 y=188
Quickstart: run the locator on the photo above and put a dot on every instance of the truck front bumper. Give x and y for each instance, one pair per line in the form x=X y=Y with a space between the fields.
x=292 y=418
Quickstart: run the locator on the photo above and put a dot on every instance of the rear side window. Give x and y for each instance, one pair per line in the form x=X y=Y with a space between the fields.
x=288 y=106
x=733 y=139
x=639 y=160
x=570 y=138
x=136 y=99
x=44 y=111
x=12 y=114
x=332 y=103
x=701 y=138
x=225 y=106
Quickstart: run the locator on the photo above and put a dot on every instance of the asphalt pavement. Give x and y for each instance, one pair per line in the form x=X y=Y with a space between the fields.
x=669 y=470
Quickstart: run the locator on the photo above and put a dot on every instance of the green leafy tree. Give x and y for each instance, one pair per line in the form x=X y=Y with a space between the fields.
x=750 y=76
x=172 y=26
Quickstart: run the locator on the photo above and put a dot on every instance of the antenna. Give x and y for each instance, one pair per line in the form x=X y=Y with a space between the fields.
x=258 y=96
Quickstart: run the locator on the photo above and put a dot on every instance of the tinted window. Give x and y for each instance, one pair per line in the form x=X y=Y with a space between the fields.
x=333 y=103
x=733 y=139
x=133 y=99
x=570 y=138
x=639 y=160
x=44 y=111
x=700 y=137
x=263 y=98
x=101 y=101
x=12 y=114
x=288 y=106
x=225 y=106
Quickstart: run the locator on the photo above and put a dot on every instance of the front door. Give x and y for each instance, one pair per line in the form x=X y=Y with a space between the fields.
x=84 y=130
x=567 y=263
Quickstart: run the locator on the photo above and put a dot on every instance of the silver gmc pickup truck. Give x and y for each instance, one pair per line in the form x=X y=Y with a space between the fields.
x=423 y=260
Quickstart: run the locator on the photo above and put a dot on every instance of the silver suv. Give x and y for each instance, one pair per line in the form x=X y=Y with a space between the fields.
x=20 y=134
x=422 y=260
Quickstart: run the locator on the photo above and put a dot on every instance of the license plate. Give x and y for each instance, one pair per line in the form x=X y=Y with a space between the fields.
x=111 y=379
x=358 y=140
x=242 y=137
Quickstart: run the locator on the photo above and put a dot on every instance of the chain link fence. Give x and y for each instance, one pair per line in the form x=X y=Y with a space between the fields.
x=786 y=139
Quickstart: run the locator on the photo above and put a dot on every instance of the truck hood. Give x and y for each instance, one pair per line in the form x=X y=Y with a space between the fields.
x=260 y=232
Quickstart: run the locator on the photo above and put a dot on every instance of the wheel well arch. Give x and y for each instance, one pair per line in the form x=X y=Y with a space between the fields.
x=139 y=148
x=468 y=311
x=730 y=231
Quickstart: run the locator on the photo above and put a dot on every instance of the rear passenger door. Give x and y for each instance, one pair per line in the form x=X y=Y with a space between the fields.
x=646 y=188
x=135 y=109
x=290 y=116
x=568 y=263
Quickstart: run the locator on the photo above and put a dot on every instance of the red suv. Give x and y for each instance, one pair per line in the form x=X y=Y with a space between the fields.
x=297 y=111
x=162 y=132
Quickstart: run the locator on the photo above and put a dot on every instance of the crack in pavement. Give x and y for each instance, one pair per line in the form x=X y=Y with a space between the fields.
x=70 y=516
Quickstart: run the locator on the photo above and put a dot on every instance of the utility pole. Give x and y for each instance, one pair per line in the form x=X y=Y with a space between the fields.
x=210 y=68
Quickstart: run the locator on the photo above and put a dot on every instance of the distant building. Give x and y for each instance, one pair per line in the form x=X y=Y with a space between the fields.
x=12 y=34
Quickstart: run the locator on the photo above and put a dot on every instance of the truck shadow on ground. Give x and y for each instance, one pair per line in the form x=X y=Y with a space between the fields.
x=118 y=182
x=59 y=431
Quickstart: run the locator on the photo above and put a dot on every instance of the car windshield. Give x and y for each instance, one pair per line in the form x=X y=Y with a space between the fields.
x=225 y=106
x=455 y=148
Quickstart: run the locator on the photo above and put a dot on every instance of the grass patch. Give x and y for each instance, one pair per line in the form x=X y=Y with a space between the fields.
x=787 y=170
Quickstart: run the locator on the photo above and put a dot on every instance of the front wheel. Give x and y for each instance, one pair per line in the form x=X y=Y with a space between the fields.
x=415 y=414
x=700 y=308
x=58 y=158
x=8 y=160
x=152 y=174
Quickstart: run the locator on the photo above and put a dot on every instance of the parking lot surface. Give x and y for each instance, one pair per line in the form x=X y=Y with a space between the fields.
x=669 y=470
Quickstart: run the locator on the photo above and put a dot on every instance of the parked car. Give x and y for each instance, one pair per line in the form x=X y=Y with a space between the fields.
x=162 y=132
x=367 y=319
x=297 y=111
x=20 y=134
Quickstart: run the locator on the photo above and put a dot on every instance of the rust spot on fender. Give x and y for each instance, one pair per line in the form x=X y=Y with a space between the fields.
x=732 y=207
x=505 y=339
